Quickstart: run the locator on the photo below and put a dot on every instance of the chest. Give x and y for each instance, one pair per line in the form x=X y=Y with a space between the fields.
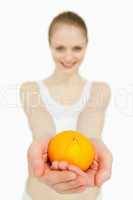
x=65 y=96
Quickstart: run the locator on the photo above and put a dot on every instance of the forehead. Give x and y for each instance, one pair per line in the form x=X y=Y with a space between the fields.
x=68 y=34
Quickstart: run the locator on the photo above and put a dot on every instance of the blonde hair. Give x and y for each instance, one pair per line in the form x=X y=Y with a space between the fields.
x=69 y=18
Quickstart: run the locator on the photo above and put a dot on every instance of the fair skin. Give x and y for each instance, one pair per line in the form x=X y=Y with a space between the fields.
x=68 y=47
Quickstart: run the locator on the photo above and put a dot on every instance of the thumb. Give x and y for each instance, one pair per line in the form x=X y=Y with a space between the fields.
x=38 y=168
x=105 y=169
x=37 y=158
x=102 y=176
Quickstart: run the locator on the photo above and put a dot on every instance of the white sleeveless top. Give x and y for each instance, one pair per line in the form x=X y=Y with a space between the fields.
x=65 y=117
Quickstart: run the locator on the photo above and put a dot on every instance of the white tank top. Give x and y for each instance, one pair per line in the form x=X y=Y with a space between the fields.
x=65 y=117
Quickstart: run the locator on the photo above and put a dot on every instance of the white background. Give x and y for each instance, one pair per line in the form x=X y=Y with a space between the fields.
x=25 y=55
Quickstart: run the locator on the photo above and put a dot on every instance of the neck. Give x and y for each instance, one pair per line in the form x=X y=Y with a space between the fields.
x=59 y=77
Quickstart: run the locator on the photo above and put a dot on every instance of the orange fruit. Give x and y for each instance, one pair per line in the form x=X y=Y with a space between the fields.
x=73 y=147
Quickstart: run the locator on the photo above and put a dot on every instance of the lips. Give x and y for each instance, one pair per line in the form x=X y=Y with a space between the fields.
x=68 y=65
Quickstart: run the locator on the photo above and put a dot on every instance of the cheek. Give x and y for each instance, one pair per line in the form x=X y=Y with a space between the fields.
x=80 y=55
x=56 y=56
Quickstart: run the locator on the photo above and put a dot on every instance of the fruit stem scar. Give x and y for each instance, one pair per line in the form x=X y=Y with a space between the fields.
x=73 y=139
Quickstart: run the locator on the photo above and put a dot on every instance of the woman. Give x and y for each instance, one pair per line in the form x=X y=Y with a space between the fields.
x=63 y=101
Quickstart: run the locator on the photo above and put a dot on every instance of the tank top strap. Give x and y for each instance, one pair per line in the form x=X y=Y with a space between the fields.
x=43 y=89
x=86 y=92
x=43 y=92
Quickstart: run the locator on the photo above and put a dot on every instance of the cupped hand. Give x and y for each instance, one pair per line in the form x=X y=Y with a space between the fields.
x=62 y=181
x=101 y=168
x=81 y=182
x=66 y=178
x=99 y=171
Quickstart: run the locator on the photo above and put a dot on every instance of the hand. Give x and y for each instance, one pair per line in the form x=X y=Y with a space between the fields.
x=101 y=168
x=62 y=181
x=81 y=182
x=98 y=172
x=37 y=157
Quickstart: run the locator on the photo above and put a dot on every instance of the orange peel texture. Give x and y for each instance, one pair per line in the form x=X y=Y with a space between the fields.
x=73 y=147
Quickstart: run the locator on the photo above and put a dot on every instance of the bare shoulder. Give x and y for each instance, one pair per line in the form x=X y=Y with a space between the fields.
x=101 y=94
x=28 y=89
x=28 y=86
x=102 y=87
x=29 y=95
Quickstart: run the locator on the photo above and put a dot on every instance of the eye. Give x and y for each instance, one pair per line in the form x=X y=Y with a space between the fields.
x=60 y=48
x=77 y=48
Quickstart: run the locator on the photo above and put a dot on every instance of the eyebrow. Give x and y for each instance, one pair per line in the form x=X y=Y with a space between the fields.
x=77 y=46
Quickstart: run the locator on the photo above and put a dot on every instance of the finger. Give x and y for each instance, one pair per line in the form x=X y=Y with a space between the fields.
x=73 y=190
x=94 y=165
x=63 y=165
x=70 y=184
x=106 y=159
x=91 y=177
x=105 y=167
x=76 y=170
x=54 y=165
x=103 y=155
x=76 y=190
x=83 y=175
x=102 y=176
x=53 y=177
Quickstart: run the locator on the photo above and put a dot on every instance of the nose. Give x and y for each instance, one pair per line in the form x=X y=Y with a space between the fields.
x=68 y=57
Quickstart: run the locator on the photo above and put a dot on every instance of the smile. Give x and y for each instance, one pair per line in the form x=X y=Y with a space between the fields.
x=68 y=65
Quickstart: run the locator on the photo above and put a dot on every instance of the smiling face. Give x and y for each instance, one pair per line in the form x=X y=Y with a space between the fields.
x=68 y=45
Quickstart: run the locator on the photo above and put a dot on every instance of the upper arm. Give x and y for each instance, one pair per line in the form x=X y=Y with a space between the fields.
x=28 y=97
x=106 y=93
x=39 y=120
x=100 y=97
